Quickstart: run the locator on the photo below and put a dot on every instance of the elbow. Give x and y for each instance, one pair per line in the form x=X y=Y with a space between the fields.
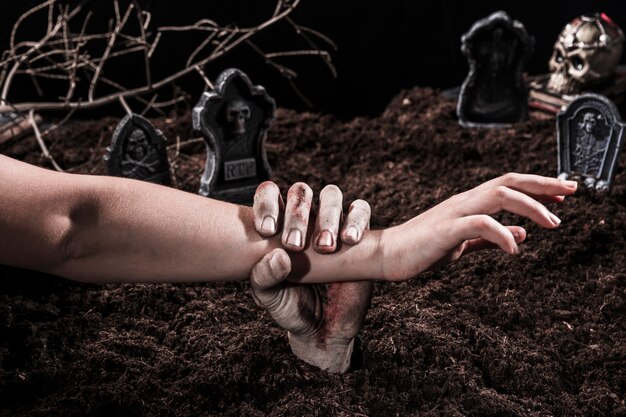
x=72 y=251
x=69 y=247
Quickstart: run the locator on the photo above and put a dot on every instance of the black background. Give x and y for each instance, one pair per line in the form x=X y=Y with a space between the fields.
x=383 y=46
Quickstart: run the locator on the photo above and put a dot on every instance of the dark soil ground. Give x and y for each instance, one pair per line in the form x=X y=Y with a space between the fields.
x=539 y=334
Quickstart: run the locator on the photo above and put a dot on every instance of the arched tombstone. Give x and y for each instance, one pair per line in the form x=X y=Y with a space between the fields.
x=590 y=135
x=138 y=151
x=234 y=118
x=494 y=93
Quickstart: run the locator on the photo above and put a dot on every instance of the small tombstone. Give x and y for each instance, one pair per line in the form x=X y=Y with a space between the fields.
x=138 y=151
x=494 y=93
x=233 y=119
x=590 y=137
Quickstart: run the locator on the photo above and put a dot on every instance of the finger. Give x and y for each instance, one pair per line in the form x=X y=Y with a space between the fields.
x=266 y=208
x=266 y=279
x=297 y=212
x=346 y=307
x=493 y=200
x=357 y=221
x=533 y=184
x=548 y=198
x=486 y=228
x=519 y=234
x=328 y=219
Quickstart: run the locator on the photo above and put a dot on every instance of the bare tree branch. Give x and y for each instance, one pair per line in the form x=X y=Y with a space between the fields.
x=63 y=54
x=42 y=144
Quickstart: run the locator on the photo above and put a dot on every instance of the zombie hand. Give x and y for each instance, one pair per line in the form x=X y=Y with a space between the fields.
x=322 y=320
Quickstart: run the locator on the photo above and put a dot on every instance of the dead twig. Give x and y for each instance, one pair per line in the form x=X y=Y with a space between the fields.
x=42 y=144
x=63 y=54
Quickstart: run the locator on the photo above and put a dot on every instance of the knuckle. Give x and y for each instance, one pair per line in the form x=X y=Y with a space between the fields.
x=509 y=178
x=500 y=193
x=303 y=187
x=482 y=222
x=265 y=188
x=299 y=196
x=331 y=190
x=544 y=182
x=361 y=205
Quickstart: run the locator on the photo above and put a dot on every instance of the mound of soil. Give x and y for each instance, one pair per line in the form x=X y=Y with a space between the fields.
x=539 y=334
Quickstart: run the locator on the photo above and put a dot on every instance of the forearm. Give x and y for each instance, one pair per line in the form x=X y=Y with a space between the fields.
x=104 y=229
x=133 y=231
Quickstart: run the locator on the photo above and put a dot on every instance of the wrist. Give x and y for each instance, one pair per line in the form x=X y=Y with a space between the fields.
x=331 y=355
x=399 y=261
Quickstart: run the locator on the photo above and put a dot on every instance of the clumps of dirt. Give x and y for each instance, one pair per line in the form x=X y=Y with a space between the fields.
x=538 y=334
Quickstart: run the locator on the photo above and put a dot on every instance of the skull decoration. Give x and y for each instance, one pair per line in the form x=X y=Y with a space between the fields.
x=137 y=145
x=585 y=54
x=237 y=113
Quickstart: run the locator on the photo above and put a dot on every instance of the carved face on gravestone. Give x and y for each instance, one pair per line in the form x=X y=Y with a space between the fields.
x=589 y=123
x=137 y=145
x=590 y=137
x=237 y=114
x=586 y=53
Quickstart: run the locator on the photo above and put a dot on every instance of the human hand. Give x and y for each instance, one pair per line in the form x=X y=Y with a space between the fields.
x=462 y=224
x=322 y=320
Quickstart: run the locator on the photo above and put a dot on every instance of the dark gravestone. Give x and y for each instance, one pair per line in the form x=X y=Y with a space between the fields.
x=233 y=119
x=494 y=93
x=590 y=137
x=138 y=151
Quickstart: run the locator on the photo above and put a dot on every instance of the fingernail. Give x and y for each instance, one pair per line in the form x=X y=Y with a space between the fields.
x=275 y=264
x=516 y=250
x=268 y=224
x=570 y=184
x=294 y=238
x=352 y=233
x=325 y=239
x=555 y=219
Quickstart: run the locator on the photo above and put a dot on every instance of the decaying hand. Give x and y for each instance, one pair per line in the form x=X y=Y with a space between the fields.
x=322 y=320
x=462 y=224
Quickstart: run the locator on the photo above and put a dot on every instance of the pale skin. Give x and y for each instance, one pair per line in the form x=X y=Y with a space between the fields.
x=322 y=329
x=322 y=321
x=102 y=229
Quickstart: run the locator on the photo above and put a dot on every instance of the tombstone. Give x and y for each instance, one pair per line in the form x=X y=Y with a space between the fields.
x=494 y=93
x=590 y=135
x=138 y=151
x=234 y=118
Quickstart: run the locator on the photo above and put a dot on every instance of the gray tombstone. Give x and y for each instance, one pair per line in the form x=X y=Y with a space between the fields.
x=590 y=135
x=234 y=118
x=494 y=93
x=138 y=151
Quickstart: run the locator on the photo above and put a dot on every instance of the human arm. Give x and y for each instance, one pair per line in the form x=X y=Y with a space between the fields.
x=103 y=229
x=106 y=229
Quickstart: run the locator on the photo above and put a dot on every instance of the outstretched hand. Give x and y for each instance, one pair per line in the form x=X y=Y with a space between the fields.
x=462 y=224
x=322 y=320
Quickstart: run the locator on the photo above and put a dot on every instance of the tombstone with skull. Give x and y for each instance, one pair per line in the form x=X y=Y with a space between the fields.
x=237 y=114
x=590 y=137
x=586 y=55
x=138 y=151
x=234 y=118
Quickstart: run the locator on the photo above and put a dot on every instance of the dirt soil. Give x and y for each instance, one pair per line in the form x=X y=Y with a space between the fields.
x=539 y=334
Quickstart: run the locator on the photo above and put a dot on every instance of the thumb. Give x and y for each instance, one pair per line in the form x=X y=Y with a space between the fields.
x=267 y=277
